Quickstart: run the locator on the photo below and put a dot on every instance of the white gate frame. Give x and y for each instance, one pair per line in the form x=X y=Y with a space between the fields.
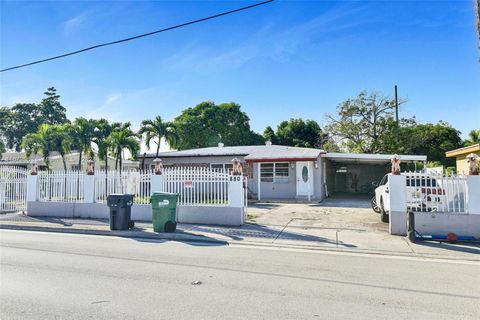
x=13 y=189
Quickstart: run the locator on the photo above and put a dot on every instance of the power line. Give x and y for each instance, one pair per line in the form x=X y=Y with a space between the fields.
x=138 y=36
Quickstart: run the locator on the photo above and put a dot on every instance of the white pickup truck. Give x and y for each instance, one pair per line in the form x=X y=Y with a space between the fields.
x=423 y=194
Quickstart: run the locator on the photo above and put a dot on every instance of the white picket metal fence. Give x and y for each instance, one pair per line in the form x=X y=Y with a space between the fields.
x=13 y=189
x=131 y=182
x=61 y=186
x=197 y=186
x=435 y=192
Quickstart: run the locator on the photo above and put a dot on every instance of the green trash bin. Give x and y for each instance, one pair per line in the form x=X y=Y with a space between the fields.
x=164 y=211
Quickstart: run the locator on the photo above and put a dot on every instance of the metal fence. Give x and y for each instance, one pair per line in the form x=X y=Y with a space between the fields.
x=61 y=186
x=197 y=186
x=433 y=192
x=13 y=189
x=131 y=182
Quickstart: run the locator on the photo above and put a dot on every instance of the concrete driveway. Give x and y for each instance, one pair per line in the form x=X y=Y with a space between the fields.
x=340 y=212
x=344 y=222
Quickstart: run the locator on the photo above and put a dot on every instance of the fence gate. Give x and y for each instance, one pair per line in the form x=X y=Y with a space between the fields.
x=13 y=189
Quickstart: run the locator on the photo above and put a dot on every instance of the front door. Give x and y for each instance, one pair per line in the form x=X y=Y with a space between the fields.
x=305 y=179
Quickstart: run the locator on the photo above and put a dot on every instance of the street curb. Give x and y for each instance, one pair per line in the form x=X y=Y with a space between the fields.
x=132 y=234
x=122 y=234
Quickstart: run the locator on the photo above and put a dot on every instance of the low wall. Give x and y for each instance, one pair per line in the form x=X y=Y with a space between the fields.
x=230 y=216
x=444 y=223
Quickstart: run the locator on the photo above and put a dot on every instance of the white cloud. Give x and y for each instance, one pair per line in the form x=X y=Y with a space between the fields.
x=111 y=98
x=74 y=23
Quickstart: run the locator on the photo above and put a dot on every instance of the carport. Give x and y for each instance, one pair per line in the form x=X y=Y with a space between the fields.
x=353 y=173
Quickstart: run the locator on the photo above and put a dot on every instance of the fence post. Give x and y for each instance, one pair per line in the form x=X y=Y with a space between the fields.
x=32 y=185
x=235 y=191
x=89 y=188
x=473 y=192
x=397 y=187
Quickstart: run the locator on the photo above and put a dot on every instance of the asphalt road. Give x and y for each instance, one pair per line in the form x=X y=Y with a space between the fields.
x=59 y=276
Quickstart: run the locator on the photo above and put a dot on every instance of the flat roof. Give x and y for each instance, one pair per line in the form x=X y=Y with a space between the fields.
x=250 y=153
x=370 y=158
x=464 y=150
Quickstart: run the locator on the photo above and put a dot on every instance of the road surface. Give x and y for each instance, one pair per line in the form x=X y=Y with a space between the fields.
x=60 y=276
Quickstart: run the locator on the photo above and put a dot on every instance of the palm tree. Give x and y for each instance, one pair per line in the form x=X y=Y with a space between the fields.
x=474 y=138
x=101 y=132
x=123 y=138
x=82 y=132
x=61 y=140
x=39 y=143
x=156 y=130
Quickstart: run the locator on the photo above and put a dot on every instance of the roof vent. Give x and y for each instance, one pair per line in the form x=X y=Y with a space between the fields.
x=268 y=143
x=220 y=144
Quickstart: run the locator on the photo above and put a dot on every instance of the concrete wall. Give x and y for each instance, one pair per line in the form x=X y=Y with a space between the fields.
x=140 y=212
x=443 y=223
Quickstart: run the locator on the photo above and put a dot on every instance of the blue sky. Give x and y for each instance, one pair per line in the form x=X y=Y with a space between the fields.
x=286 y=59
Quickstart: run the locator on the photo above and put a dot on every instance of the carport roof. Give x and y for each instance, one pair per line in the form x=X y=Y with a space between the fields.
x=370 y=158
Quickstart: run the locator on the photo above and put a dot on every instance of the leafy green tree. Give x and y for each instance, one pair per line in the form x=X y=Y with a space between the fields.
x=82 y=131
x=47 y=139
x=24 y=118
x=61 y=140
x=363 y=122
x=207 y=124
x=269 y=135
x=156 y=130
x=432 y=140
x=102 y=131
x=299 y=133
x=123 y=138
x=51 y=110
x=39 y=143
x=473 y=138
x=2 y=148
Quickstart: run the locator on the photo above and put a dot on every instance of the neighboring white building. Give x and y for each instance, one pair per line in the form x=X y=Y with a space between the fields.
x=20 y=159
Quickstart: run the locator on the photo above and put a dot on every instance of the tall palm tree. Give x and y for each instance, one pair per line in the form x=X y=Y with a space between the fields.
x=39 y=143
x=101 y=132
x=82 y=132
x=474 y=137
x=61 y=140
x=123 y=138
x=155 y=130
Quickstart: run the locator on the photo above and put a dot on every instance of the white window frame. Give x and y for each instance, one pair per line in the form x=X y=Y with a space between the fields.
x=275 y=178
x=223 y=166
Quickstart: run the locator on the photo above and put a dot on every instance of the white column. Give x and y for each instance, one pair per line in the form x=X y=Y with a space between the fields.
x=473 y=194
x=32 y=185
x=259 y=184
x=156 y=184
x=89 y=188
x=235 y=191
x=397 y=188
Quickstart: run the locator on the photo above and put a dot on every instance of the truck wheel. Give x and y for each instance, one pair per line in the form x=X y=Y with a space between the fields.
x=375 y=207
x=383 y=215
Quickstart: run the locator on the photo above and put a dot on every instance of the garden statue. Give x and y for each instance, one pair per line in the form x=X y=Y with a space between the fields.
x=34 y=171
x=472 y=164
x=237 y=169
x=396 y=164
x=90 y=167
x=158 y=166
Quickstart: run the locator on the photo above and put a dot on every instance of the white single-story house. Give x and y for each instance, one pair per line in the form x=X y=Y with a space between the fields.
x=283 y=172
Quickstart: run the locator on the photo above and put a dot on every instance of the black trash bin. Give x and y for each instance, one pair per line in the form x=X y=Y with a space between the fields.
x=120 y=211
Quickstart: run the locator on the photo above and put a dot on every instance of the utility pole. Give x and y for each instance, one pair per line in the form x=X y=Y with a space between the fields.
x=396 y=104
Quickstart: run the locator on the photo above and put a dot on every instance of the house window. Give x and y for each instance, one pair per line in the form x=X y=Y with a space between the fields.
x=75 y=167
x=274 y=172
x=221 y=166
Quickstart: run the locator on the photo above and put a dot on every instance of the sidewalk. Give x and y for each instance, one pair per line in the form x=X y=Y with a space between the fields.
x=293 y=234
